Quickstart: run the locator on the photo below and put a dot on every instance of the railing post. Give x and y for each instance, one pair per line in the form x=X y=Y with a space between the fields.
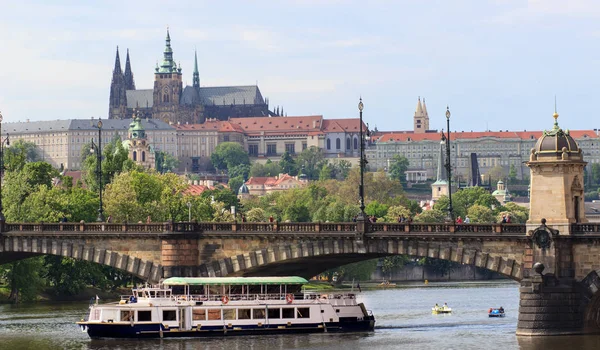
x=318 y=226
x=406 y=227
x=234 y=226
x=276 y=226
x=452 y=228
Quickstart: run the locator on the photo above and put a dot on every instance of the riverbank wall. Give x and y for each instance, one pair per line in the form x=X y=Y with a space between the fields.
x=411 y=273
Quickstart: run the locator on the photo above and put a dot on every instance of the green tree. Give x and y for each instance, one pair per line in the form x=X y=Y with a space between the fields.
x=512 y=174
x=25 y=279
x=398 y=166
x=115 y=160
x=376 y=209
x=288 y=164
x=342 y=169
x=256 y=215
x=242 y=171
x=397 y=211
x=235 y=183
x=19 y=153
x=229 y=154
x=312 y=159
x=391 y=263
x=326 y=172
x=465 y=198
x=165 y=162
x=297 y=212
x=480 y=214
x=431 y=216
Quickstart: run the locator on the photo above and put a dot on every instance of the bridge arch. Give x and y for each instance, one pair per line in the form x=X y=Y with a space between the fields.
x=310 y=258
x=18 y=248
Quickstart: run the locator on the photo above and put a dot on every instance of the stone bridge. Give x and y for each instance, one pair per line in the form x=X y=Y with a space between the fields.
x=159 y=250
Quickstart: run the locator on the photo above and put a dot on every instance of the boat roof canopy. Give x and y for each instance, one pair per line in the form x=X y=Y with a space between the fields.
x=218 y=281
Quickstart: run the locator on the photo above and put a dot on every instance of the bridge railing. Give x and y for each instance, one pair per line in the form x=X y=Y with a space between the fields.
x=274 y=227
x=585 y=228
x=446 y=228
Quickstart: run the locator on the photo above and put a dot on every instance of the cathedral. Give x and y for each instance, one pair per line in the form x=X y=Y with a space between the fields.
x=170 y=102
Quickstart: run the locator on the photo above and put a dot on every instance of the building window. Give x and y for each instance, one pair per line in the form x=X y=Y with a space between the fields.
x=348 y=143
x=253 y=150
x=290 y=148
x=134 y=156
x=226 y=138
x=355 y=143
x=338 y=143
x=328 y=144
x=143 y=156
x=271 y=149
x=304 y=146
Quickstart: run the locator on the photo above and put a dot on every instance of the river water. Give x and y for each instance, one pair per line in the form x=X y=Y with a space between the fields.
x=403 y=321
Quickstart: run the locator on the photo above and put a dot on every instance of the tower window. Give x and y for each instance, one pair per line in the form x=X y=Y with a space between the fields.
x=134 y=156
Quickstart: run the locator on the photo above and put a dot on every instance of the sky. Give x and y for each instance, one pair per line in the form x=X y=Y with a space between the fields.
x=498 y=64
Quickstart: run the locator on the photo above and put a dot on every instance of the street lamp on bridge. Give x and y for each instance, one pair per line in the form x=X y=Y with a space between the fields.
x=448 y=164
x=98 y=150
x=2 y=142
x=362 y=164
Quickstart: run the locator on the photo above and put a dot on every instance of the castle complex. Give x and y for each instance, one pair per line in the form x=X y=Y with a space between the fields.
x=171 y=102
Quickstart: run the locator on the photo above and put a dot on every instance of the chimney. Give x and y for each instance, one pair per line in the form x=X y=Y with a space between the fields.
x=314 y=124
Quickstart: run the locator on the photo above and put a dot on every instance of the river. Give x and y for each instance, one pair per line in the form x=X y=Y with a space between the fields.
x=403 y=321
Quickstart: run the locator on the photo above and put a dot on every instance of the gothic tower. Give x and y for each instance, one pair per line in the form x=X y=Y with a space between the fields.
x=168 y=87
x=118 y=99
x=129 y=82
x=196 y=78
x=421 y=118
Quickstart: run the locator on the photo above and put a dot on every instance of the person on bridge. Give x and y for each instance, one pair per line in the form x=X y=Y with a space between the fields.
x=148 y=219
x=271 y=218
x=504 y=218
x=459 y=220
x=467 y=220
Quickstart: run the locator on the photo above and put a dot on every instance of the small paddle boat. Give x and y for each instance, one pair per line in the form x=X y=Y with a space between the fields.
x=386 y=284
x=496 y=312
x=445 y=309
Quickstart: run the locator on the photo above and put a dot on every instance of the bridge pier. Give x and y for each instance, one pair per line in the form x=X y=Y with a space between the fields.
x=548 y=307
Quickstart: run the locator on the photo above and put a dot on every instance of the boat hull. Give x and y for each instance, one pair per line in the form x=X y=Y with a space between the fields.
x=157 y=330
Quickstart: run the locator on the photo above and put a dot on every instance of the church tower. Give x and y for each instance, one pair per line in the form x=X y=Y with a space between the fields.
x=421 y=118
x=196 y=78
x=118 y=99
x=129 y=82
x=137 y=144
x=168 y=87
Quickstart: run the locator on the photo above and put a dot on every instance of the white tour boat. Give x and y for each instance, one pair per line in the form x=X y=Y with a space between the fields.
x=218 y=306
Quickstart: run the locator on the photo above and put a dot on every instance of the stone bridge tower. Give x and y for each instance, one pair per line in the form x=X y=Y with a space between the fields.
x=551 y=298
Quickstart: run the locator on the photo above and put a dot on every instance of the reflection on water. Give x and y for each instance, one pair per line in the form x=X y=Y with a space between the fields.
x=403 y=317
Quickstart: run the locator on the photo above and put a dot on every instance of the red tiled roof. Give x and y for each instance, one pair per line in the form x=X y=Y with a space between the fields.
x=211 y=125
x=342 y=125
x=196 y=190
x=281 y=124
x=523 y=135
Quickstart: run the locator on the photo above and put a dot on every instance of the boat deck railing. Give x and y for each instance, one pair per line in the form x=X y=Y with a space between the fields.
x=333 y=298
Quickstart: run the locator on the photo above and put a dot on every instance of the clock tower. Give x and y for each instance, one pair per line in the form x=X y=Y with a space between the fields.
x=168 y=86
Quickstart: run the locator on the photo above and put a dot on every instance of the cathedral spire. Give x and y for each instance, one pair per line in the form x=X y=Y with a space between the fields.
x=419 y=109
x=425 y=109
x=117 y=69
x=168 y=65
x=196 y=73
x=129 y=82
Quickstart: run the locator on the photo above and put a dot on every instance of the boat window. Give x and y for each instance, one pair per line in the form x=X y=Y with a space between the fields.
x=229 y=314
x=303 y=312
x=243 y=314
x=287 y=312
x=126 y=315
x=274 y=313
x=214 y=314
x=258 y=313
x=199 y=314
x=169 y=315
x=144 y=316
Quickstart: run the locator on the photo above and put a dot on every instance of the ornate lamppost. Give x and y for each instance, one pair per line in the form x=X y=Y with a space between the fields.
x=448 y=165
x=98 y=150
x=2 y=142
x=361 y=188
